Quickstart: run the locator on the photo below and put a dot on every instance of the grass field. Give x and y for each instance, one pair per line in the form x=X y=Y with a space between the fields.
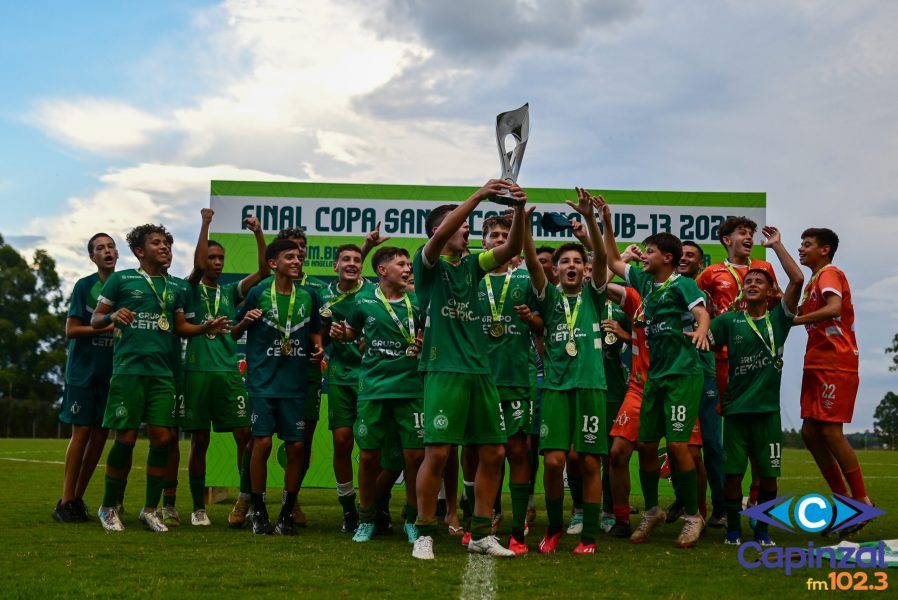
x=42 y=558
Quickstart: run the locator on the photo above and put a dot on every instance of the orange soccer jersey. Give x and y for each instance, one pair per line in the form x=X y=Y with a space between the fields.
x=723 y=282
x=639 y=369
x=832 y=345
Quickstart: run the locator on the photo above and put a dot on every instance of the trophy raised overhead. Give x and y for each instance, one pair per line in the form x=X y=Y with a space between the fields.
x=514 y=123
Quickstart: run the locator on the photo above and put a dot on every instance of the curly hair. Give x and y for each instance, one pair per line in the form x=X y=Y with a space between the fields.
x=137 y=236
x=292 y=232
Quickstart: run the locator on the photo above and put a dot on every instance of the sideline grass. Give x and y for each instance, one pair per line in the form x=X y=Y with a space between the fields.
x=42 y=558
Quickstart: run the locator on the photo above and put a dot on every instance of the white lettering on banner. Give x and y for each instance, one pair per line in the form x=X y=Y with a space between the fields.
x=405 y=218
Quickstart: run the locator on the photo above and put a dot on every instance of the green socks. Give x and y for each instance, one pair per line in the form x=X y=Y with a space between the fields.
x=686 y=483
x=480 y=527
x=520 y=493
x=156 y=461
x=555 y=512
x=591 y=512
x=734 y=508
x=426 y=527
x=576 y=486
x=648 y=480
x=118 y=459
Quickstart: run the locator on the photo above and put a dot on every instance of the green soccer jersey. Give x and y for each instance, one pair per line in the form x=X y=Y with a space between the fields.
x=386 y=372
x=453 y=331
x=343 y=358
x=269 y=372
x=754 y=379
x=92 y=356
x=143 y=348
x=218 y=354
x=708 y=361
x=182 y=288
x=584 y=370
x=511 y=348
x=668 y=313
x=615 y=372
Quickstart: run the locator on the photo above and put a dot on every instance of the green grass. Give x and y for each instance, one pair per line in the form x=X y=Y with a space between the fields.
x=42 y=558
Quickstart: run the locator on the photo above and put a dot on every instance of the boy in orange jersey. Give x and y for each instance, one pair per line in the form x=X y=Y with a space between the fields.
x=830 y=382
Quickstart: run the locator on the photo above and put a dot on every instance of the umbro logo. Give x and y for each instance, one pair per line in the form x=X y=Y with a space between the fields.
x=136 y=293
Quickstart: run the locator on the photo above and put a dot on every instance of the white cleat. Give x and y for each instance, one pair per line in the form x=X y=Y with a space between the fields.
x=152 y=521
x=200 y=518
x=490 y=546
x=109 y=519
x=423 y=548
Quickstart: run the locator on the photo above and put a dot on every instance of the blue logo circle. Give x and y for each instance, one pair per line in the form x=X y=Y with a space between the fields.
x=813 y=513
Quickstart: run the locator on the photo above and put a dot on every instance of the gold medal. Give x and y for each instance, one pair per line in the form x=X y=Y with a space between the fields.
x=778 y=364
x=286 y=349
x=610 y=338
x=326 y=313
x=411 y=352
x=163 y=323
x=211 y=336
x=571 y=348
x=497 y=330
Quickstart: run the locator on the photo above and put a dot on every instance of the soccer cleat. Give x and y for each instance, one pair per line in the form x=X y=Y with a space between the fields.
x=733 y=539
x=650 y=519
x=674 y=512
x=64 y=513
x=237 y=516
x=170 y=516
x=490 y=546
x=718 y=519
x=549 y=543
x=584 y=548
x=852 y=529
x=607 y=522
x=497 y=520
x=285 y=525
x=411 y=532
x=299 y=518
x=261 y=524
x=621 y=530
x=763 y=538
x=692 y=530
x=200 y=518
x=423 y=549
x=575 y=527
x=350 y=522
x=80 y=509
x=119 y=509
x=517 y=547
x=383 y=523
x=364 y=532
x=466 y=539
x=109 y=519
x=153 y=521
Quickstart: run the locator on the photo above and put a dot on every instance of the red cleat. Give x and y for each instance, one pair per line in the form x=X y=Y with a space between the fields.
x=549 y=544
x=518 y=547
x=466 y=539
x=585 y=548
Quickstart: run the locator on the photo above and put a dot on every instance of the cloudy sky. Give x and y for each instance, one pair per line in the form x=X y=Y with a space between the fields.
x=119 y=115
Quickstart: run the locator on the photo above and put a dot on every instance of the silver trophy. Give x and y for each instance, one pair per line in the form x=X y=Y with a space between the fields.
x=514 y=123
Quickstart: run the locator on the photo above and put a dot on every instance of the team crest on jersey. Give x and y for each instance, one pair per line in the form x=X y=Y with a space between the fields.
x=517 y=294
x=121 y=412
x=623 y=418
x=76 y=408
x=370 y=320
x=254 y=418
x=543 y=430
x=441 y=422
x=363 y=429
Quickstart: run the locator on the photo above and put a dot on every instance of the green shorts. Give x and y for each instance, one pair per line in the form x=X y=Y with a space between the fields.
x=573 y=418
x=462 y=408
x=752 y=434
x=136 y=399
x=391 y=457
x=312 y=401
x=516 y=409
x=215 y=398
x=282 y=416
x=85 y=405
x=670 y=408
x=342 y=401
x=378 y=418
x=536 y=401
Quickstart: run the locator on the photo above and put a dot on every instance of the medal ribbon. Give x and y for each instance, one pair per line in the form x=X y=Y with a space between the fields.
x=751 y=323
x=640 y=310
x=342 y=296
x=571 y=318
x=406 y=333
x=496 y=308
x=205 y=294
x=162 y=300
x=285 y=329
x=741 y=295
x=807 y=289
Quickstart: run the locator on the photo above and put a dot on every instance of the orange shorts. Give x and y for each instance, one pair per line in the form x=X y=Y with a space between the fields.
x=828 y=395
x=696 y=438
x=626 y=423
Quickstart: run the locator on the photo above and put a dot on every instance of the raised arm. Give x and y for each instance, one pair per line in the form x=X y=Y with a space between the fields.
x=202 y=247
x=248 y=282
x=582 y=235
x=615 y=263
x=512 y=247
x=454 y=220
x=537 y=275
x=793 y=271
x=372 y=241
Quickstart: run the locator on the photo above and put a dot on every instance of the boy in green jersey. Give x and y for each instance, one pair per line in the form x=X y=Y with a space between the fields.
x=143 y=306
x=215 y=394
x=461 y=405
x=671 y=305
x=283 y=335
x=573 y=403
x=755 y=338
x=508 y=309
x=390 y=390
x=312 y=409
x=338 y=301
x=87 y=373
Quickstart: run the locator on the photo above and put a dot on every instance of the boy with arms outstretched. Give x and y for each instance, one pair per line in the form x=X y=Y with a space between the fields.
x=461 y=404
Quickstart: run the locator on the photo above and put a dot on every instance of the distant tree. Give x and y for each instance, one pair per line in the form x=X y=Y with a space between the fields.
x=885 y=420
x=32 y=338
x=792 y=439
x=893 y=349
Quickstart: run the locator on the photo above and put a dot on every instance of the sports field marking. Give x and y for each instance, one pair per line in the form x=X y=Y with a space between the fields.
x=478 y=582
x=31 y=460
